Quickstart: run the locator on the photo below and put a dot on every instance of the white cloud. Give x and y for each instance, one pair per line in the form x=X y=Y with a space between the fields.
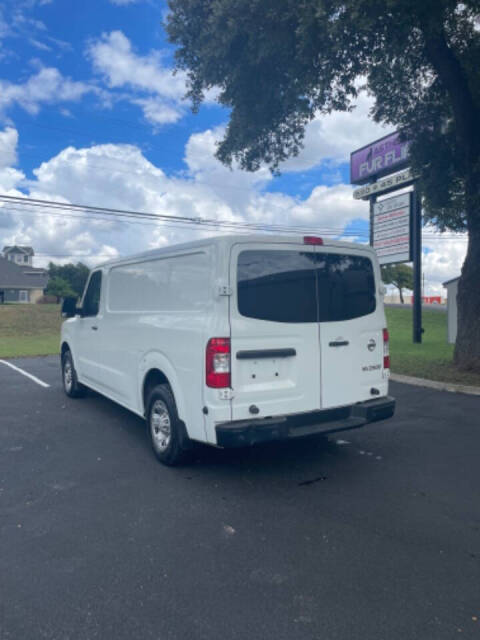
x=331 y=207
x=18 y=20
x=157 y=112
x=47 y=86
x=150 y=81
x=119 y=176
x=114 y=58
x=8 y=147
x=331 y=138
x=10 y=178
x=39 y=45
x=444 y=259
x=232 y=185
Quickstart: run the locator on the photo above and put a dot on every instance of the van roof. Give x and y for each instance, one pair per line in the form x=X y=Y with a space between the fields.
x=228 y=240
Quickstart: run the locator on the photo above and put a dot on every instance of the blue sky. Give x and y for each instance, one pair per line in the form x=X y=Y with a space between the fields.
x=91 y=112
x=58 y=34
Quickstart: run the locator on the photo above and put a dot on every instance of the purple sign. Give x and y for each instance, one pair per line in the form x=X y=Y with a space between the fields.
x=378 y=158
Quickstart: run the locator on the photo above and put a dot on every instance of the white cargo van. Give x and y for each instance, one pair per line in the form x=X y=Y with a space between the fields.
x=234 y=340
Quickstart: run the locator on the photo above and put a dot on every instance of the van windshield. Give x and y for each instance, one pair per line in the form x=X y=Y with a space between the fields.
x=300 y=286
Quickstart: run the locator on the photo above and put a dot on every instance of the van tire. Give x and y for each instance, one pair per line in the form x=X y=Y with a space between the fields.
x=71 y=385
x=168 y=436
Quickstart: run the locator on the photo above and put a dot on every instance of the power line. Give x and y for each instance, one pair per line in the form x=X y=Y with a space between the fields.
x=194 y=226
x=351 y=233
x=93 y=218
x=105 y=214
x=198 y=222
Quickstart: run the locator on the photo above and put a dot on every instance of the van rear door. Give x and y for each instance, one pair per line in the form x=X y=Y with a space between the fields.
x=351 y=323
x=275 y=349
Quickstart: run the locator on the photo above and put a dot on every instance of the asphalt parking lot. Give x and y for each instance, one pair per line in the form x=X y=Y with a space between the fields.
x=374 y=534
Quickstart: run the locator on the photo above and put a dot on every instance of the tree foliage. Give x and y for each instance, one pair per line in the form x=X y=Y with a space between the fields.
x=74 y=274
x=276 y=64
x=400 y=276
x=60 y=288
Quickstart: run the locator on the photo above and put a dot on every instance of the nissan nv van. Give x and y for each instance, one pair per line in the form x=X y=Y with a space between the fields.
x=234 y=340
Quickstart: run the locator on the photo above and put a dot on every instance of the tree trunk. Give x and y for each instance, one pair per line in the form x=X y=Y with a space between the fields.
x=401 y=295
x=466 y=114
x=467 y=346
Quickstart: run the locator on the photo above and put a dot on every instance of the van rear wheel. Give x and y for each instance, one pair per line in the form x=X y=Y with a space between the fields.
x=169 y=439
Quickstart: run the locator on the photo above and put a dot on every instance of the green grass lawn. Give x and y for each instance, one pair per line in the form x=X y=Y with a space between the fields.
x=34 y=330
x=29 y=329
x=433 y=357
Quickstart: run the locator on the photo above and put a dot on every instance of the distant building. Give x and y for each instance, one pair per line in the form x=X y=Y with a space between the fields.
x=19 y=255
x=452 y=289
x=392 y=298
x=20 y=281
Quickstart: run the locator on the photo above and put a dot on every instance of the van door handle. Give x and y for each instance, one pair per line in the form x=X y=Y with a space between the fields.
x=94 y=328
x=256 y=354
x=339 y=343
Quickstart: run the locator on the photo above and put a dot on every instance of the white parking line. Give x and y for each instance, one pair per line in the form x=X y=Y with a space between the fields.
x=25 y=373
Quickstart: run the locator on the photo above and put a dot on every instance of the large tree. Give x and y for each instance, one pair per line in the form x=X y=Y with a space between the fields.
x=74 y=274
x=60 y=288
x=279 y=63
x=400 y=276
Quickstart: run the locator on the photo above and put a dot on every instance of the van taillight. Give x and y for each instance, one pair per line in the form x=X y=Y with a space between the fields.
x=217 y=362
x=386 y=349
x=312 y=240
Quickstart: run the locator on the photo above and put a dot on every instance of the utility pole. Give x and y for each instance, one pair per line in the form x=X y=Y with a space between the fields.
x=372 y=200
x=417 y=264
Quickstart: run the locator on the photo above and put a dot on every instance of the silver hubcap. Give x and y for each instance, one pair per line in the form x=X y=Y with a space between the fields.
x=160 y=426
x=68 y=375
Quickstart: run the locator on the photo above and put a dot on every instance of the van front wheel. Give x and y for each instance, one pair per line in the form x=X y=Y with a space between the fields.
x=167 y=433
x=71 y=385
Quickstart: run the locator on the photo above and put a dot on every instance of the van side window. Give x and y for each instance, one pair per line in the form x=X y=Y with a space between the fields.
x=175 y=283
x=91 y=301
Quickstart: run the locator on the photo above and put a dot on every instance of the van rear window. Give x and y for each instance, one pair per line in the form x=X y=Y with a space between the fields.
x=296 y=286
x=277 y=286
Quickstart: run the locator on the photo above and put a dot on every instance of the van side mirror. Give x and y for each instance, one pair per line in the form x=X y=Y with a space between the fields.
x=69 y=308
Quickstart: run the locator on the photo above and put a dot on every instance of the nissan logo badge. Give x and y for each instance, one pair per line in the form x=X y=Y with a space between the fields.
x=371 y=344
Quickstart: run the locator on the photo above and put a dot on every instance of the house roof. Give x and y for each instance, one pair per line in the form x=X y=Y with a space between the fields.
x=450 y=281
x=16 y=248
x=14 y=276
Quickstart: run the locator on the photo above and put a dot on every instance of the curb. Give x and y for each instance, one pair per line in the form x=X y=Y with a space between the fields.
x=433 y=384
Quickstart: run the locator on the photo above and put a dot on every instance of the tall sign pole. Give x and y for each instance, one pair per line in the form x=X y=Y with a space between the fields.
x=417 y=264
x=372 y=199
x=381 y=167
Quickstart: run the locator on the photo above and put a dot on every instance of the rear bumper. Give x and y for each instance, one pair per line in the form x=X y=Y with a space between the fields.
x=247 y=432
